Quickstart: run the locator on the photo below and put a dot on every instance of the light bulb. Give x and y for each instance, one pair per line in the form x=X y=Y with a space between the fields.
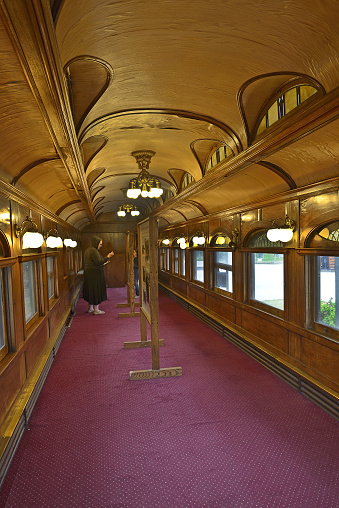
x=286 y=235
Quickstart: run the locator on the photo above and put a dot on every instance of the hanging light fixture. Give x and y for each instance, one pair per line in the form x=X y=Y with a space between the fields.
x=53 y=240
x=182 y=242
x=129 y=209
x=144 y=184
x=282 y=233
x=31 y=239
x=166 y=241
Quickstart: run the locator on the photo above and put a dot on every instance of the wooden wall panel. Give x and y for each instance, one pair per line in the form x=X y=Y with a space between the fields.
x=294 y=345
x=35 y=345
x=179 y=285
x=323 y=360
x=197 y=294
x=11 y=380
x=221 y=306
x=266 y=331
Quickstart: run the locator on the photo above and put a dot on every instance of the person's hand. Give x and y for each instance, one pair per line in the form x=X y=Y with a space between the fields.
x=110 y=254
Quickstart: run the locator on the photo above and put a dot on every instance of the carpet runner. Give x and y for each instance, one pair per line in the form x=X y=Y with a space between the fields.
x=228 y=433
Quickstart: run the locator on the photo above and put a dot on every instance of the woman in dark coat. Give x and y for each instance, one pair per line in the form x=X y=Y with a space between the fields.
x=94 y=291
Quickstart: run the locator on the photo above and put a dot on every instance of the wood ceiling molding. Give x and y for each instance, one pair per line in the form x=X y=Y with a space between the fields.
x=73 y=213
x=97 y=201
x=198 y=206
x=177 y=176
x=279 y=171
x=31 y=166
x=94 y=175
x=178 y=211
x=230 y=135
x=66 y=205
x=255 y=95
x=96 y=191
x=88 y=78
x=91 y=147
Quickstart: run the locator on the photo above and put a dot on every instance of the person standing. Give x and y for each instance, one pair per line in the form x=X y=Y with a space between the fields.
x=94 y=290
x=136 y=272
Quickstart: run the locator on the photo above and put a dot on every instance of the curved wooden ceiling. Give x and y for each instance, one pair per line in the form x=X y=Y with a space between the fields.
x=110 y=77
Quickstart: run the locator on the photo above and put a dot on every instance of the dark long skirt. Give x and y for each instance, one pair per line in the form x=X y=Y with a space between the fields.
x=94 y=291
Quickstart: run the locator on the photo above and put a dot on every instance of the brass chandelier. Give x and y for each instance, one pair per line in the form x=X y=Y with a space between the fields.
x=129 y=209
x=144 y=184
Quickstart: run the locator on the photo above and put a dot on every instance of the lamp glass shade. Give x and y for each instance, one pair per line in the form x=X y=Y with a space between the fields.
x=166 y=241
x=286 y=235
x=53 y=242
x=182 y=245
x=201 y=240
x=32 y=240
x=67 y=242
x=273 y=235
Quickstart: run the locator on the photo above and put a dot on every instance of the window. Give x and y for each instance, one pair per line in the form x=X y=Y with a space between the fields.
x=218 y=155
x=267 y=278
x=167 y=256
x=327 y=290
x=3 y=328
x=285 y=103
x=187 y=180
x=222 y=271
x=29 y=270
x=51 y=276
x=162 y=259
x=197 y=257
x=175 y=253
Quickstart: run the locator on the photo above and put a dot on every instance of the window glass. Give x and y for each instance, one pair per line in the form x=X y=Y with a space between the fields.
x=50 y=276
x=267 y=278
x=291 y=100
x=176 y=260
x=162 y=259
x=223 y=271
x=327 y=290
x=198 y=265
x=167 y=259
x=273 y=113
x=30 y=289
x=182 y=262
x=2 y=315
x=306 y=92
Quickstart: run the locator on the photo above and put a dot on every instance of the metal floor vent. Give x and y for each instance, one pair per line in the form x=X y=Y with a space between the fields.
x=320 y=397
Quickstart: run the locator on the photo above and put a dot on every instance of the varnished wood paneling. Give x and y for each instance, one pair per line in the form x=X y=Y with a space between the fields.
x=221 y=306
x=197 y=294
x=321 y=359
x=266 y=331
x=35 y=344
x=11 y=380
x=179 y=285
x=294 y=345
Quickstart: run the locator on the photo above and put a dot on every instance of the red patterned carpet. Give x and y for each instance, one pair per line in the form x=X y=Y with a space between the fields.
x=228 y=433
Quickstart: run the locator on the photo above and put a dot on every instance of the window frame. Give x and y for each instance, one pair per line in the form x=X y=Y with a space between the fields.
x=213 y=252
x=39 y=288
x=192 y=251
x=249 y=268
x=314 y=290
x=54 y=257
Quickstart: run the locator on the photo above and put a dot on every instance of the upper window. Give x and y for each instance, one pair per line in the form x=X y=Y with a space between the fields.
x=219 y=154
x=285 y=103
x=51 y=264
x=187 y=180
x=222 y=271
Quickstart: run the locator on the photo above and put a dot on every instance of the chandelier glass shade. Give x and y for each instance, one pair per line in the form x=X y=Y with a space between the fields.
x=32 y=238
x=53 y=240
x=127 y=208
x=144 y=185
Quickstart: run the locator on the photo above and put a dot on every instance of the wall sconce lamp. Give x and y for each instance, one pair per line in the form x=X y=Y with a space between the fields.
x=235 y=239
x=68 y=242
x=31 y=239
x=165 y=241
x=199 y=239
x=53 y=240
x=282 y=233
x=182 y=243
